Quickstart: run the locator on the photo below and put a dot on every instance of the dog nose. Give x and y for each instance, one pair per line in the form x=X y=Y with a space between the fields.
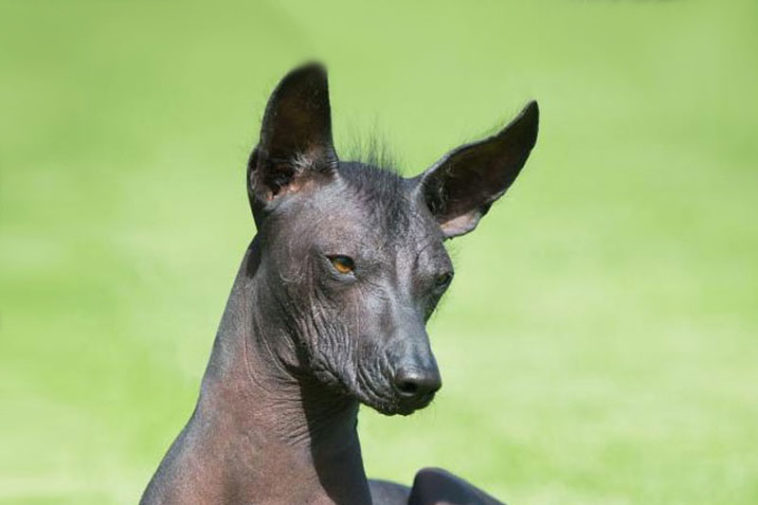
x=415 y=383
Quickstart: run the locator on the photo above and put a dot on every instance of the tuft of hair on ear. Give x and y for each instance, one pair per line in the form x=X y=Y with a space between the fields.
x=295 y=146
x=271 y=176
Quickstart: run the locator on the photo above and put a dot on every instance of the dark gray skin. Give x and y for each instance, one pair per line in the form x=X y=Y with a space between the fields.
x=328 y=311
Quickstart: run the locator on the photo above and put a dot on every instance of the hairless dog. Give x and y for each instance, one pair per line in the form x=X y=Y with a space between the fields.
x=328 y=310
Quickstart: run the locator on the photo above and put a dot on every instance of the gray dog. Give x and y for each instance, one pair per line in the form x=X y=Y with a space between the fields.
x=328 y=311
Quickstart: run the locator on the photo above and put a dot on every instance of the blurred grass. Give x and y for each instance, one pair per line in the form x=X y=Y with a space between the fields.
x=599 y=343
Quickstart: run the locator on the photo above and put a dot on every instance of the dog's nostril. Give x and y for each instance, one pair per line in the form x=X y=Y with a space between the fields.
x=408 y=387
x=411 y=383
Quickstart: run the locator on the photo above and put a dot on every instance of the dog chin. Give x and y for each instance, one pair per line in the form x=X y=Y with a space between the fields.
x=396 y=406
x=384 y=399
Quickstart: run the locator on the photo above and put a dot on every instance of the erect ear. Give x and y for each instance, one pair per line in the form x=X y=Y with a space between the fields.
x=460 y=188
x=295 y=145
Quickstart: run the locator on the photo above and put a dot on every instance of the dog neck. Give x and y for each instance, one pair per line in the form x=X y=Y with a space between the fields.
x=262 y=432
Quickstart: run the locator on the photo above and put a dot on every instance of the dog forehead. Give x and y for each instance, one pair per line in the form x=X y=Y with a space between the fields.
x=364 y=215
x=373 y=208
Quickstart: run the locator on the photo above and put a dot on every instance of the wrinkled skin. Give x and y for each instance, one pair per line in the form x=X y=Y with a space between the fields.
x=328 y=310
x=359 y=329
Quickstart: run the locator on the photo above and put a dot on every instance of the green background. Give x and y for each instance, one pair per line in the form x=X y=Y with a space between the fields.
x=599 y=343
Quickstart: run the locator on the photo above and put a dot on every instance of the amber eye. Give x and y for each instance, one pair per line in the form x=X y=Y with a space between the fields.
x=342 y=264
x=443 y=280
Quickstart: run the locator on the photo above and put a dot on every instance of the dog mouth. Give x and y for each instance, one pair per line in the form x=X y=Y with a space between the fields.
x=407 y=406
x=392 y=404
x=376 y=391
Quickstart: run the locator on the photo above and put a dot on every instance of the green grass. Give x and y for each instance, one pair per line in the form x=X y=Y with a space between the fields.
x=599 y=343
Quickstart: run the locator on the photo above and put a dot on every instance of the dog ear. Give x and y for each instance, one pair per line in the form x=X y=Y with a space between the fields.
x=295 y=145
x=460 y=188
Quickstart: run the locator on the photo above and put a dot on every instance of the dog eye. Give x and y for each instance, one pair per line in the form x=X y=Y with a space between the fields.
x=443 y=280
x=343 y=264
